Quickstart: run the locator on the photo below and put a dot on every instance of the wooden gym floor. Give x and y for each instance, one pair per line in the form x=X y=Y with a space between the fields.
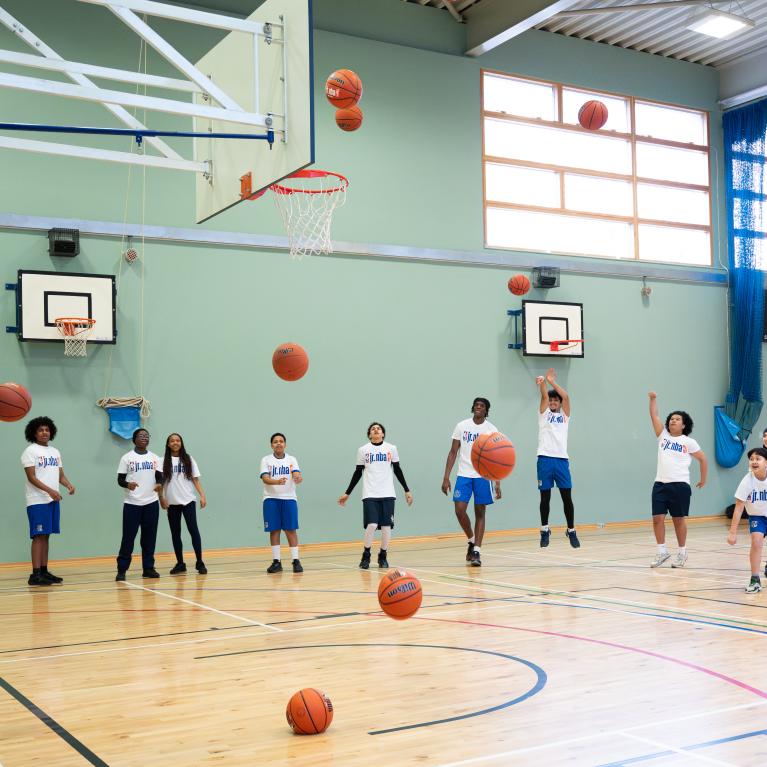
x=540 y=657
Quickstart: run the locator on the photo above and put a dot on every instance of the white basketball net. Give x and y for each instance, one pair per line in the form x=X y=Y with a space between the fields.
x=75 y=331
x=306 y=201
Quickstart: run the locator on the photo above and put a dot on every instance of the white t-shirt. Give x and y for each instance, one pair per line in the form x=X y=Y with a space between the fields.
x=674 y=457
x=140 y=468
x=47 y=463
x=179 y=491
x=277 y=468
x=467 y=431
x=378 y=474
x=552 y=433
x=754 y=492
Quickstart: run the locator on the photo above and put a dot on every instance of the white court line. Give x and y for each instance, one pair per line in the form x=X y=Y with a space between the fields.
x=593 y=736
x=204 y=607
x=687 y=754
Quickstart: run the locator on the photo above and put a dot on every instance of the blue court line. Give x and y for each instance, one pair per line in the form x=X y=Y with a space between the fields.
x=540 y=681
x=694 y=747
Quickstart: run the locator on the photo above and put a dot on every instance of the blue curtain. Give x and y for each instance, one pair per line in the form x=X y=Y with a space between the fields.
x=745 y=130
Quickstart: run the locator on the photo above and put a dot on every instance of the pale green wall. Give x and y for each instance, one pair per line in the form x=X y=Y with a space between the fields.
x=409 y=344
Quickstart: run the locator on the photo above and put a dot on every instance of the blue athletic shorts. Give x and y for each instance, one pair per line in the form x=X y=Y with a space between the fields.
x=479 y=486
x=44 y=518
x=671 y=497
x=378 y=511
x=553 y=471
x=757 y=525
x=280 y=514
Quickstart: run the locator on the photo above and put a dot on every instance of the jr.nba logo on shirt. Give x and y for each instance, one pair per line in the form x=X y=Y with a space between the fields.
x=668 y=444
x=470 y=436
x=46 y=460
x=376 y=457
x=556 y=418
x=757 y=495
x=140 y=466
x=282 y=470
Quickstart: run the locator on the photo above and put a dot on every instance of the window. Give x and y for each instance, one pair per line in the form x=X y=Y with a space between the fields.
x=638 y=188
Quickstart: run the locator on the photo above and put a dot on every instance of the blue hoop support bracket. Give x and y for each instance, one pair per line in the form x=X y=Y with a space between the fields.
x=138 y=134
x=516 y=314
x=15 y=288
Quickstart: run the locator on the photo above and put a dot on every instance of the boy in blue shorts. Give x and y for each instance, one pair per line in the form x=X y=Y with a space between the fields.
x=553 y=465
x=44 y=473
x=280 y=474
x=468 y=482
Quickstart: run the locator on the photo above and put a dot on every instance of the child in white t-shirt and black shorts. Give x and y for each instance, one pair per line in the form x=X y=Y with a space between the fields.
x=377 y=465
x=752 y=495
x=671 y=492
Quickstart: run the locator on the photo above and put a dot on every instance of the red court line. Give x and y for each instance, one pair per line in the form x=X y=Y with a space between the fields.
x=695 y=667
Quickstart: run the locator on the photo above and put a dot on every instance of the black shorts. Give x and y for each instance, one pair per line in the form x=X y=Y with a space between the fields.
x=671 y=497
x=378 y=511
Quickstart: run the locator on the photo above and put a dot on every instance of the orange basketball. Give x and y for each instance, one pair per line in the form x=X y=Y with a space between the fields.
x=343 y=88
x=493 y=456
x=15 y=402
x=349 y=119
x=399 y=594
x=309 y=712
x=519 y=284
x=592 y=115
x=290 y=361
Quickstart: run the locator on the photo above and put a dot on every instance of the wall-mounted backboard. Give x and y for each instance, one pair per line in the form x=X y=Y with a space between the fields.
x=41 y=297
x=546 y=322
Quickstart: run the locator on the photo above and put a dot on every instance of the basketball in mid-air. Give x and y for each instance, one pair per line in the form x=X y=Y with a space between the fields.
x=343 y=88
x=15 y=402
x=290 y=361
x=349 y=119
x=493 y=456
x=399 y=594
x=592 y=115
x=519 y=284
x=309 y=712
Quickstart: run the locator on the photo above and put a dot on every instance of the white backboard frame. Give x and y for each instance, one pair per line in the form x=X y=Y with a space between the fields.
x=547 y=321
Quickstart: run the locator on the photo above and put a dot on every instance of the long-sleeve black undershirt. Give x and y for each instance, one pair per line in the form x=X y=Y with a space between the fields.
x=358 y=474
x=123 y=481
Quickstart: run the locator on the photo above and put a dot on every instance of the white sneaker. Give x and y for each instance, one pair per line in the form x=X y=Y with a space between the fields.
x=660 y=558
x=680 y=559
x=754 y=586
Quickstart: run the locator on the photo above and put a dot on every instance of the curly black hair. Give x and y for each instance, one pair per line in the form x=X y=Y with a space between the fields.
x=376 y=423
x=30 y=430
x=481 y=399
x=686 y=420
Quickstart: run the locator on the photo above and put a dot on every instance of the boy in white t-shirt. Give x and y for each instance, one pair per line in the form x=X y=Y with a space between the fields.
x=280 y=474
x=553 y=464
x=752 y=495
x=468 y=482
x=44 y=473
x=671 y=491
x=139 y=474
x=377 y=465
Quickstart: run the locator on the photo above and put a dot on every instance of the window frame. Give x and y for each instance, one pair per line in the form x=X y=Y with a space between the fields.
x=633 y=178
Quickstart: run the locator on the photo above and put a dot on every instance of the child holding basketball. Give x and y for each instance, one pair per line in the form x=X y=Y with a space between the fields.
x=469 y=482
x=752 y=495
x=377 y=464
x=139 y=473
x=671 y=491
x=553 y=465
x=181 y=478
x=280 y=474
x=44 y=473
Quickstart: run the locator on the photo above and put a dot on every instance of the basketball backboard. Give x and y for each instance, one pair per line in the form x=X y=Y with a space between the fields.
x=271 y=76
x=544 y=322
x=41 y=297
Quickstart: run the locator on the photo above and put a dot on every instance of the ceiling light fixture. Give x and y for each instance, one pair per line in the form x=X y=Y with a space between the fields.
x=720 y=24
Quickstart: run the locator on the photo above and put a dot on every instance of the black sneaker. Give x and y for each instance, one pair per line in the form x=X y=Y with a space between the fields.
x=574 y=542
x=297 y=567
x=275 y=567
x=150 y=573
x=179 y=567
x=36 y=579
x=765 y=570
x=120 y=576
x=469 y=552
x=51 y=577
x=201 y=569
x=382 y=560
x=475 y=560
x=545 y=536
x=365 y=561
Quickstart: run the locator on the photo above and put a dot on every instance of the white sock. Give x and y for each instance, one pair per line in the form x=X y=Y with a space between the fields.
x=385 y=538
x=294 y=552
x=276 y=551
x=477 y=549
x=683 y=550
x=570 y=529
x=471 y=540
x=545 y=528
x=662 y=548
x=370 y=531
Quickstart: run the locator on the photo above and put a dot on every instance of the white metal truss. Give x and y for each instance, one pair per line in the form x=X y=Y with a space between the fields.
x=193 y=82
